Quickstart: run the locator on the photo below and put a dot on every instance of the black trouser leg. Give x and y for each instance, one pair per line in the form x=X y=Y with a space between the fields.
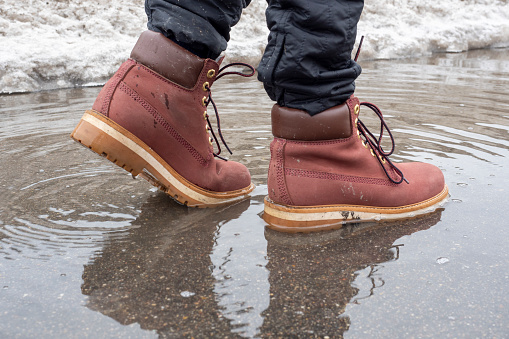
x=307 y=63
x=203 y=27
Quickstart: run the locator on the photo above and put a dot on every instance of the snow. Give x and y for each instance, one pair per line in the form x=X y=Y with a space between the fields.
x=404 y=28
x=66 y=43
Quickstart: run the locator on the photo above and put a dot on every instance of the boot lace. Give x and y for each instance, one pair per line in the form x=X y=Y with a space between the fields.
x=208 y=100
x=376 y=143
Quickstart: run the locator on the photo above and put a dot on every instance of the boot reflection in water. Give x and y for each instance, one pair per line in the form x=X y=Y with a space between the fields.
x=326 y=167
x=312 y=276
x=161 y=275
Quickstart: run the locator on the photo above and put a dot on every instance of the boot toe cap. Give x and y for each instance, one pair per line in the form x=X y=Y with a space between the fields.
x=232 y=176
x=426 y=181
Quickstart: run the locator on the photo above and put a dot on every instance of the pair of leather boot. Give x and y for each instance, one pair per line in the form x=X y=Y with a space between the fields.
x=151 y=119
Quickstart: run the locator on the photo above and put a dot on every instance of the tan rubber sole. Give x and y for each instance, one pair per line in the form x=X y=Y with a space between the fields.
x=285 y=218
x=112 y=141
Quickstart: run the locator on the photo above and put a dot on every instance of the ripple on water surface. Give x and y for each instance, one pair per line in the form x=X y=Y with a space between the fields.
x=55 y=197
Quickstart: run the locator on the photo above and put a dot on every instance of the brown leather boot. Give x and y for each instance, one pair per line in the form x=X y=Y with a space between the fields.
x=328 y=169
x=150 y=118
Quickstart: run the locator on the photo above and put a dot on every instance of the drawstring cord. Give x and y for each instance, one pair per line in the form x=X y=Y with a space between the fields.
x=209 y=100
x=359 y=49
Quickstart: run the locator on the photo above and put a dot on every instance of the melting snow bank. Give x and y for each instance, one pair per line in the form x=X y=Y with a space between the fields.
x=403 y=28
x=66 y=43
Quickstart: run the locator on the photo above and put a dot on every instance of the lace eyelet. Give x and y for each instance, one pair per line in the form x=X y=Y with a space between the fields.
x=364 y=144
x=206 y=86
x=203 y=101
x=205 y=115
x=356 y=109
x=382 y=159
x=210 y=140
x=211 y=73
x=372 y=153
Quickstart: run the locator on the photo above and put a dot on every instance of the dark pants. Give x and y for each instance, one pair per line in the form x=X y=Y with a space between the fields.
x=307 y=63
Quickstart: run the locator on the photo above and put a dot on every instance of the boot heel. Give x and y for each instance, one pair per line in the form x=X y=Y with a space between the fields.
x=94 y=132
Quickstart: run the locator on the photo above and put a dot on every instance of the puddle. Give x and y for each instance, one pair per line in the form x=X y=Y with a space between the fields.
x=84 y=248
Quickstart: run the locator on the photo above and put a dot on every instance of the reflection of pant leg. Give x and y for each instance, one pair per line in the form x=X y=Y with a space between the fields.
x=203 y=27
x=307 y=63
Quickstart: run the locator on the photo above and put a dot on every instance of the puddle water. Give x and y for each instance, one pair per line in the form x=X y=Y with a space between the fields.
x=87 y=251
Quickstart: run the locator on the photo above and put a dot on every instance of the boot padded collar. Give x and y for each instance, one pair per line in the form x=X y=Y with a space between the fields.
x=295 y=124
x=167 y=58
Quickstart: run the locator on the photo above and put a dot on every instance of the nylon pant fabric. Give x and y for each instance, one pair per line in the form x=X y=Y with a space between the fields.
x=201 y=26
x=307 y=63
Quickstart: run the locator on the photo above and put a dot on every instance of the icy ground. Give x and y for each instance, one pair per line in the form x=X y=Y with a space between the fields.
x=65 y=43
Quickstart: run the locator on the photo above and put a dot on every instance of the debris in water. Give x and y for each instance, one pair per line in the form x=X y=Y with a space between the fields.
x=442 y=260
x=187 y=294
